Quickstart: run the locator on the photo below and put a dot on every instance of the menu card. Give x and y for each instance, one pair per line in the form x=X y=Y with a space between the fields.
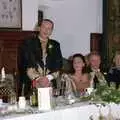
x=45 y=99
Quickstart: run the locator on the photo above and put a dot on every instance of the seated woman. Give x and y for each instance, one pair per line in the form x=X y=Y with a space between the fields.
x=114 y=72
x=77 y=80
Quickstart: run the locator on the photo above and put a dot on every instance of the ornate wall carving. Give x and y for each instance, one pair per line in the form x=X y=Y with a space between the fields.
x=111 y=28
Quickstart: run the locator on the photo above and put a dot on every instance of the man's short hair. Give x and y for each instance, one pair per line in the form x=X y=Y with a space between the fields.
x=47 y=20
x=94 y=53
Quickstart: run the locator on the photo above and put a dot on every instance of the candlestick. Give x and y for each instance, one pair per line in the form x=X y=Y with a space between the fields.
x=23 y=86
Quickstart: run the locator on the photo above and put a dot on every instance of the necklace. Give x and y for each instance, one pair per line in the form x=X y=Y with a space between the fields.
x=77 y=78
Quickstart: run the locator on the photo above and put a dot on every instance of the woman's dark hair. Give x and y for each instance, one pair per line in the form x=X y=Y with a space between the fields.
x=78 y=55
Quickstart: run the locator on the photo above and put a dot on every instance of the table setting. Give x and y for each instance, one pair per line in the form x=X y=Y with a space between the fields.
x=96 y=104
x=95 y=110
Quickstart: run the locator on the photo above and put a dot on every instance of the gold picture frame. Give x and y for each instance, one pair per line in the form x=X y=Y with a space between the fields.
x=10 y=14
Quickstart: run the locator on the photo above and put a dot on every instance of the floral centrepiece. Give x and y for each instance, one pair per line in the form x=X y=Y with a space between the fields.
x=104 y=93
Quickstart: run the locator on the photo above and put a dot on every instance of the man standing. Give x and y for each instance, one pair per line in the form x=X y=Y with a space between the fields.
x=41 y=56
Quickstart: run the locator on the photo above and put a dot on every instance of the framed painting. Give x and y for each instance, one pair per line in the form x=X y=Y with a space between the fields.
x=10 y=14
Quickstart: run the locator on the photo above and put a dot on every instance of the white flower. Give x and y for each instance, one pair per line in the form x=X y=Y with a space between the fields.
x=50 y=46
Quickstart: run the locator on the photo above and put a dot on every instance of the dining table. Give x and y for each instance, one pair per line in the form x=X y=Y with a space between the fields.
x=80 y=110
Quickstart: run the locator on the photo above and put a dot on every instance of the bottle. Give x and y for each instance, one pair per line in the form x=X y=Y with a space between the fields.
x=33 y=96
x=12 y=99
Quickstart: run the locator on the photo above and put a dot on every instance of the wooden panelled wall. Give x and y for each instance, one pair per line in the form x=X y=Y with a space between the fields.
x=11 y=40
x=95 y=42
x=9 y=43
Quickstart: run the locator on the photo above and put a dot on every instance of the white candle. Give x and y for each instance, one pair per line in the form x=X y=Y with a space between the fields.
x=1 y=102
x=22 y=102
x=3 y=73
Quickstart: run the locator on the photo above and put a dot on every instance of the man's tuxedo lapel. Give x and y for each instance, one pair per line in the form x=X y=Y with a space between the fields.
x=38 y=49
x=49 y=44
x=48 y=58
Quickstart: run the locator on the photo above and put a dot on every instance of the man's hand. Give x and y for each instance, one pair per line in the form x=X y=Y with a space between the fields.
x=43 y=82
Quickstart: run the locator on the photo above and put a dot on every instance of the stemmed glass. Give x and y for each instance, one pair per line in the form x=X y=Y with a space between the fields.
x=56 y=92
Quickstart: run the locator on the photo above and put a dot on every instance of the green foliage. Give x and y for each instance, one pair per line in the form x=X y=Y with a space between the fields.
x=105 y=94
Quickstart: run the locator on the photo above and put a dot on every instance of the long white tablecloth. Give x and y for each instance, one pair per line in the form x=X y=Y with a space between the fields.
x=77 y=111
x=74 y=113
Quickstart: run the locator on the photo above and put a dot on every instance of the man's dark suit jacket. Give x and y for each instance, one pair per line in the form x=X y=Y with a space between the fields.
x=95 y=79
x=31 y=55
x=114 y=76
